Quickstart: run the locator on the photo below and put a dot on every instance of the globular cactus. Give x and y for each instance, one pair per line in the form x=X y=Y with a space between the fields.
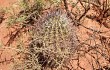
x=55 y=30
x=52 y=43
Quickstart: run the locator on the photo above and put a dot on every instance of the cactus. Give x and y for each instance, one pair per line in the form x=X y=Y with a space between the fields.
x=51 y=45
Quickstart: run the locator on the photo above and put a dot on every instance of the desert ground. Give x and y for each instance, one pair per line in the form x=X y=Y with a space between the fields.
x=88 y=60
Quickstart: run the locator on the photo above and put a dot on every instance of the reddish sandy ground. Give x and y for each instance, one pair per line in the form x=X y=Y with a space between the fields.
x=4 y=32
x=82 y=34
x=6 y=3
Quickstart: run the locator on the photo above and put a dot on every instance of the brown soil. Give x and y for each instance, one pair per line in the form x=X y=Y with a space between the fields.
x=4 y=37
x=82 y=33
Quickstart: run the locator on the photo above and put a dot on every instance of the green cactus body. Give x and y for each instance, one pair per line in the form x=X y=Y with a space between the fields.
x=55 y=32
x=52 y=43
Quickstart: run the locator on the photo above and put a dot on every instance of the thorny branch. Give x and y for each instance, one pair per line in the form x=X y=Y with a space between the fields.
x=92 y=50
